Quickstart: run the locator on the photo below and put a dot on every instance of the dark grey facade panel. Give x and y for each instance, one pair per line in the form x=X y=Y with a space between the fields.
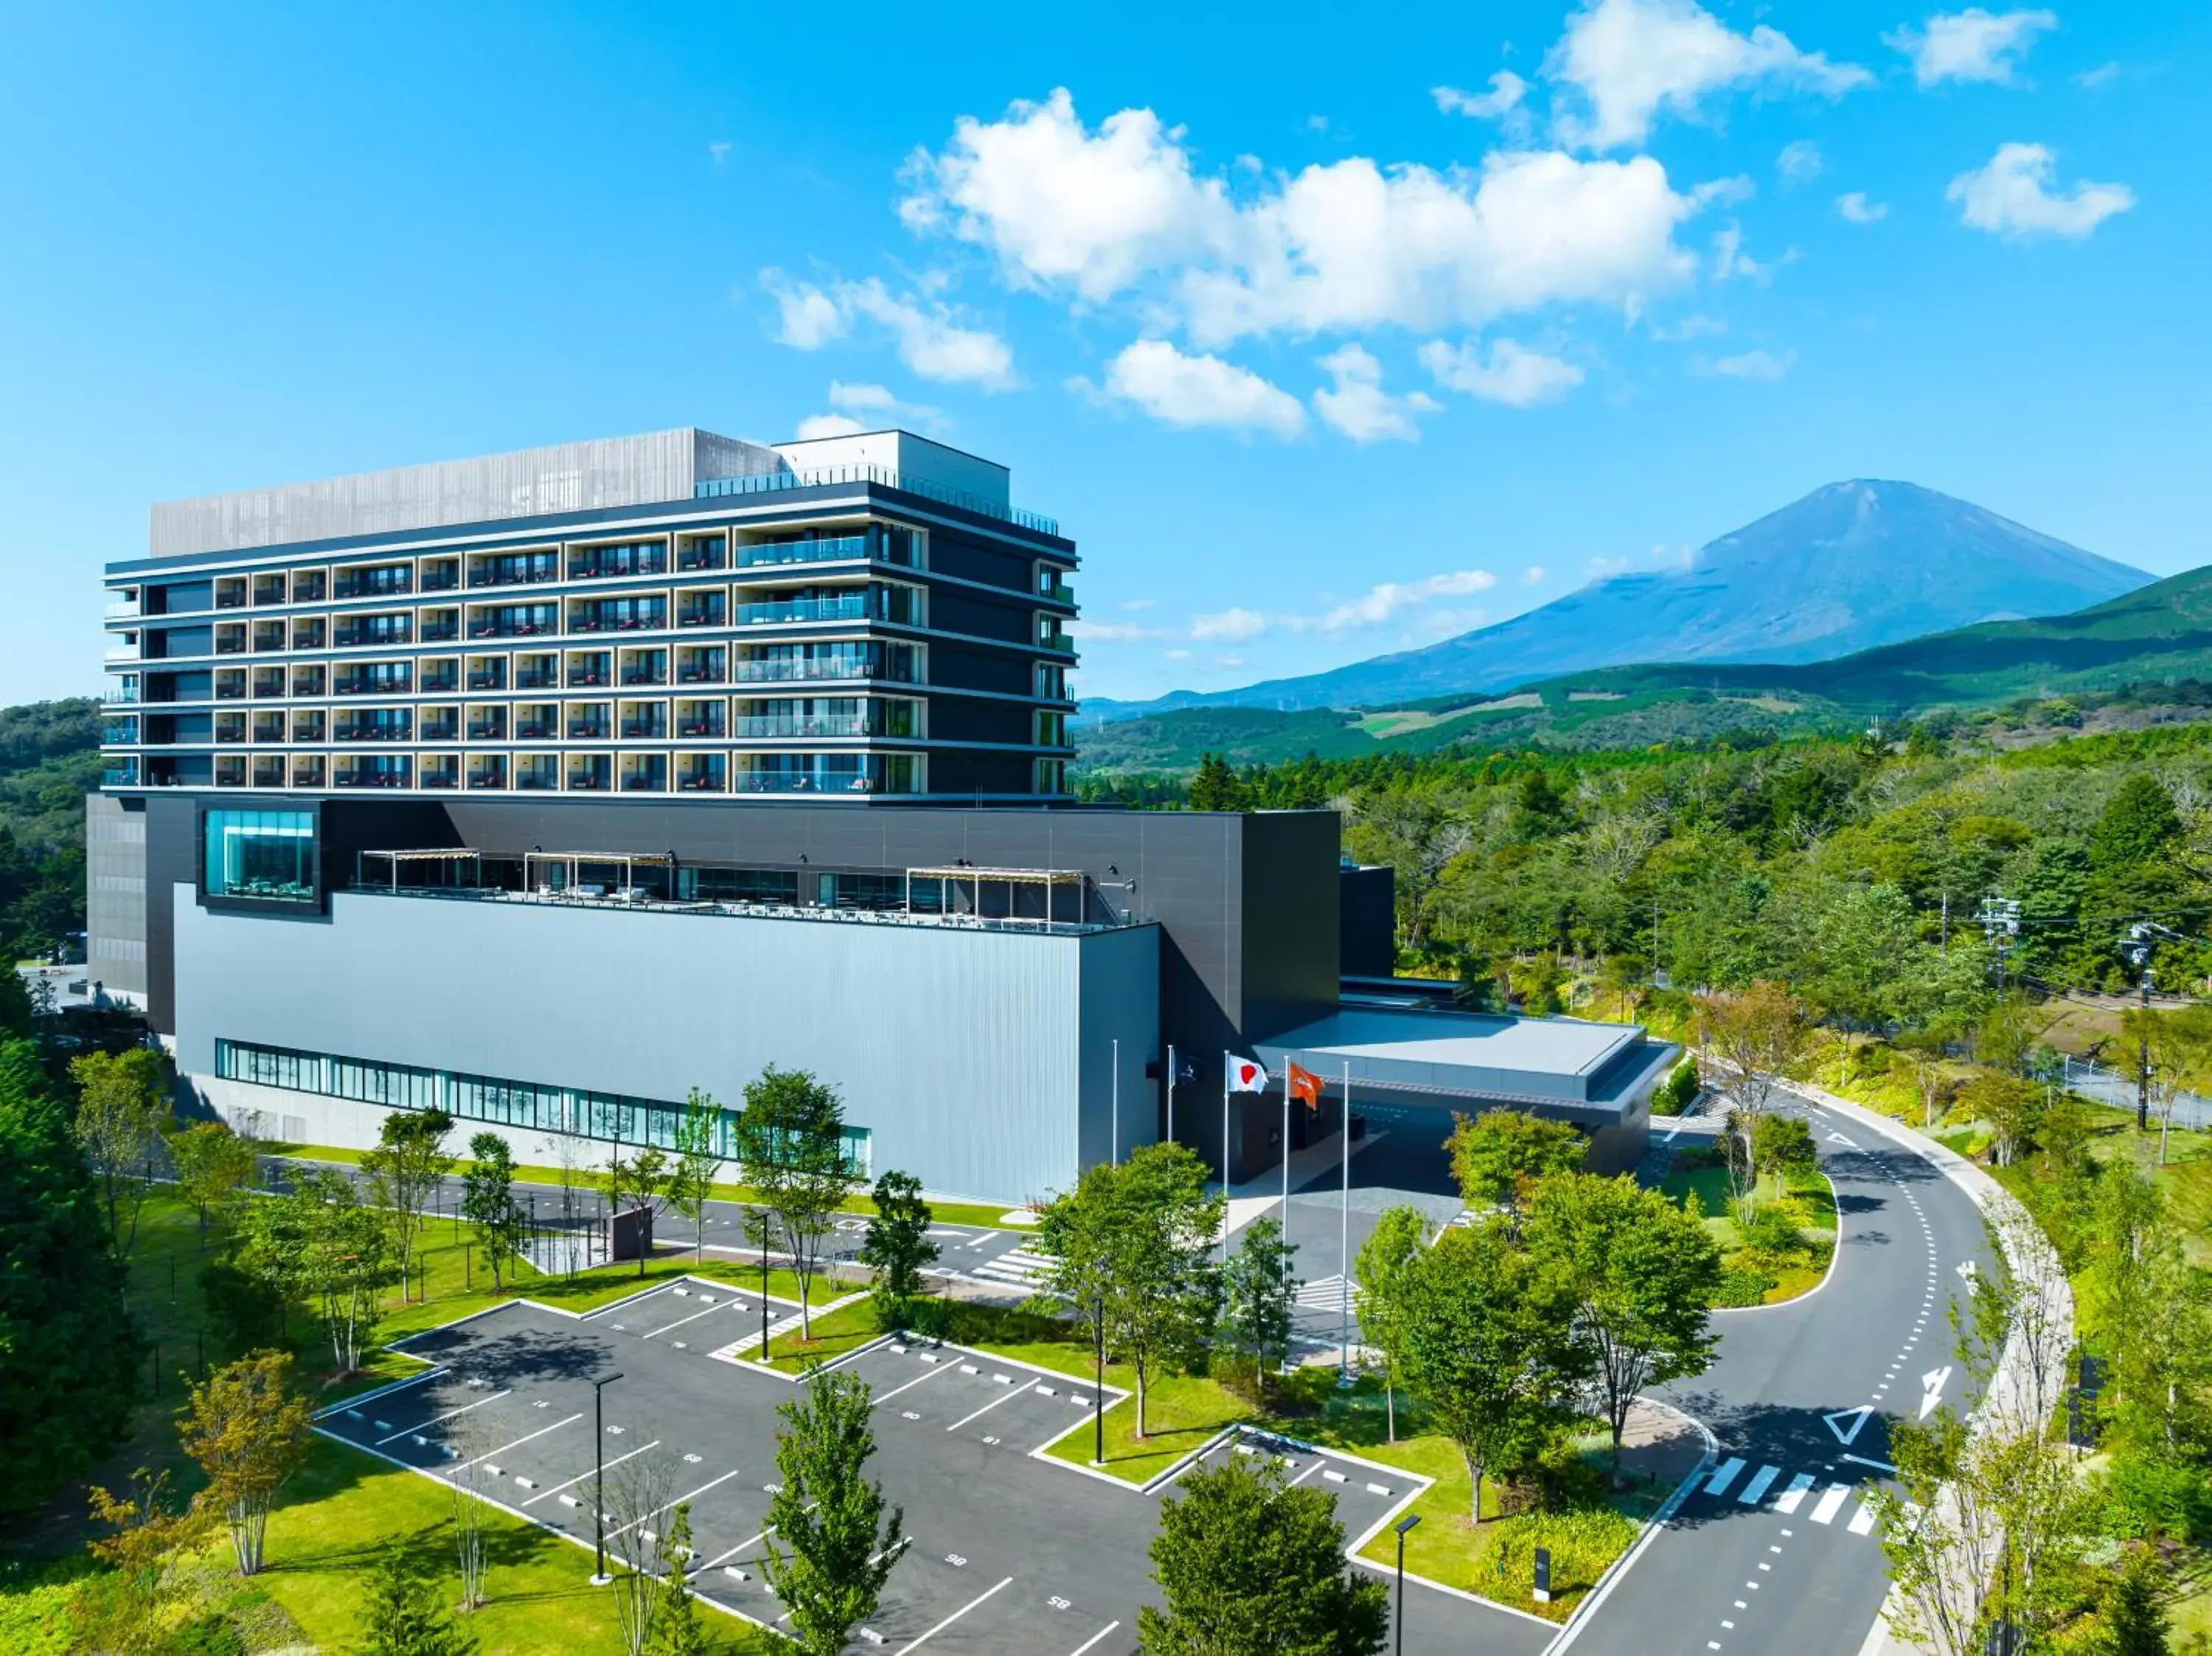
x=1367 y=923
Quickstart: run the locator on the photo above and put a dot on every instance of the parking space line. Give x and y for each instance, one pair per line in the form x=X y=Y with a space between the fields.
x=693 y=1318
x=1293 y=1483
x=735 y=1550
x=519 y=1441
x=910 y=1385
x=991 y=1404
x=580 y=1477
x=671 y=1506
x=954 y=1616
x=1094 y=1639
x=448 y=1415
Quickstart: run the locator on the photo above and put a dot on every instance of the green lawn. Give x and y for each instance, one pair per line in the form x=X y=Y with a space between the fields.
x=983 y=1214
x=1808 y=1189
x=347 y=1506
x=836 y=1332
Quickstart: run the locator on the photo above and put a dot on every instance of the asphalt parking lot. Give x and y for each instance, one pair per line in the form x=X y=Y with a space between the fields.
x=1010 y=1553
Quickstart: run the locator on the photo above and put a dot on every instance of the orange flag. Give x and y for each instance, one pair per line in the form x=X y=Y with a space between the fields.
x=1305 y=1085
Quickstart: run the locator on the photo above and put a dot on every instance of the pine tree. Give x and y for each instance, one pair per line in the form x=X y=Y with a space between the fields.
x=403 y=1616
x=1259 y=1293
x=2135 y=1620
x=1215 y=786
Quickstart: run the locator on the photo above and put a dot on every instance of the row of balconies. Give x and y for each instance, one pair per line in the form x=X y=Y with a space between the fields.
x=628 y=721
x=638 y=772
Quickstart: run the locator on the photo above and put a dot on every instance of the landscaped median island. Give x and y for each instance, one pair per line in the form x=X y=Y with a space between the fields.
x=1785 y=1247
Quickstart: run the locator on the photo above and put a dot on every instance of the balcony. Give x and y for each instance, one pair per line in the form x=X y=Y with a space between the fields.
x=521 y=570
x=121 y=774
x=308 y=588
x=488 y=774
x=436 y=774
x=830 y=725
x=226 y=731
x=373 y=684
x=537 y=778
x=622 y=617
x=589 y=678
x=636 y=677
x=398 y=630
x=708 y=553
x=645 y=729
x=121 y=609
x=230 y=646
x=441 y=729
x=851 y=607
x=487 y=730
x=441 y=578
x=632 y=558
x=589 y=730
x=230 y=598
x=766 y=555
x=513 y=627
x=769 y=482
x=702 y=612
x=368 y=779
x=488 y=680
x=230 y=692
x=711 y=729
x=446 y=684
x=709 y=670
x=373 y=584
x=541 y=678
x=121 y=734
x=121 y=695
x=440 y=632
x=371 y=732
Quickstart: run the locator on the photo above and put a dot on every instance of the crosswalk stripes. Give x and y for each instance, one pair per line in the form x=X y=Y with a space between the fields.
x=1323 y=1294
x=1020 y=1266
x=1827 y=1506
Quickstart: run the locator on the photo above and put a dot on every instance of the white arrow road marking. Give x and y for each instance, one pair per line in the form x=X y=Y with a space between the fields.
x=1837 y=1138
x=1857 y=1417
x=1932 y=1384
x=1967 y=1269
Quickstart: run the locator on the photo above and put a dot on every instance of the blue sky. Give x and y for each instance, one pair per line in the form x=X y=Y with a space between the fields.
x=1322 y=341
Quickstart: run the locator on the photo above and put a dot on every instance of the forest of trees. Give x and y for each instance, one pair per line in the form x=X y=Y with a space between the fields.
x=1823 y=863
x=49 y=760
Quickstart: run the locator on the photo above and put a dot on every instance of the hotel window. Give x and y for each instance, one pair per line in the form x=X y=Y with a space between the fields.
x=268 y=855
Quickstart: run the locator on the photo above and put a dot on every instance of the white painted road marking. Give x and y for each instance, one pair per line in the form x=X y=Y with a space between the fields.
x=1723 y=1475
x=1932 y=1384
x=1094 y=1639
x=462 y=1409
x=910 y=1385
x=1862 y=1520
x=1831 y=1501
x=1858 y=1417
x=580 y=1477
x=1789 y=1501
x=519 y=1441
x=710 y=1310
x=1757 y=1488
x=954 y=1616
x=991 y=1404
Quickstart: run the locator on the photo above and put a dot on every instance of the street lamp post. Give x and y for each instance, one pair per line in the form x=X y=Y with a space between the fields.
x=600 y=1577
x=1099 y=1391
x=1401 y=1526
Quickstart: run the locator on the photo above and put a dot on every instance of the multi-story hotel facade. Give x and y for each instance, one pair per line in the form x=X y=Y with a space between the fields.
x=548 y=787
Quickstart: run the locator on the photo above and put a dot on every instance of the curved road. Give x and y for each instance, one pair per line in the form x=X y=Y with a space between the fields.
x=1775 y=1549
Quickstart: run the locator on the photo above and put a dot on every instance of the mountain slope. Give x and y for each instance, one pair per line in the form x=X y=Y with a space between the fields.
x=2156 y=635
x=1852 y=566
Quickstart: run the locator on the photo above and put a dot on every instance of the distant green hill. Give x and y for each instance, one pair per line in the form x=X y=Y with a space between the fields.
x=2160 y=633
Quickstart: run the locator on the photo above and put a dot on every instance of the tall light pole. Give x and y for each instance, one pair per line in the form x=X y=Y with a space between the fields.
x=2142 y=940
x=1344 y=1237
x=600 y=1577
x=1404 y=1524
x=1099 y=1391
x=1114 y=1151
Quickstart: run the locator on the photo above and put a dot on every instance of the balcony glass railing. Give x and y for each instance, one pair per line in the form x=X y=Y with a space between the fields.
x=829 y=549
x=440 y=776
x=634 y=676
x=774 y=482
x=710 y=728
x=525 y=570
x=805 y=725
x=534 y=730
x=853 y=607
x=539 y=681
x=442 y=579
x=709 y=614
x=381 y=584
x=444 y=730
x=487 y=681
x=644 y=730
x=588 y=730
x=441 y=683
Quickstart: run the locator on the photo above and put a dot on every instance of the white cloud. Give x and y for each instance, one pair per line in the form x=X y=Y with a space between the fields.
x=1229 y=626
x=1855 y=209
x=930 y=341
x=1534 y=574
x=1349 y=244
x=1506 y=91
x=1511 y=373
x=1698 y=326
x=807 y=319
x=2012 y=196
x=1200 y=391
x=1754 y=365
x=878 y=403
x=1058 y=203
x=1799 y=161
x=1094 y=631
x=1135 y=604
x=1723 y=192
x=1176 y=655
x=1359 y=407
x=720 y=151
x=828 y=425
x=1229 y=661
x=1380 y=602
x=1972 y=44
x=1631 y=59
x=2103 y=74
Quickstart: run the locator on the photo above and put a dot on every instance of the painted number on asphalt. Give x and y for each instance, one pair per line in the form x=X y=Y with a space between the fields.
x=954 y=1559
x=1057 y=1603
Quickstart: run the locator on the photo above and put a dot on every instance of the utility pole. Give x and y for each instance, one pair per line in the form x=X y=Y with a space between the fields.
x=1946 y=922
x=2138 y=950
x=2000 y=922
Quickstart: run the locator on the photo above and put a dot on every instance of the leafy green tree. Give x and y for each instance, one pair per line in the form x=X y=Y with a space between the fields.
x=2012 y=1106
x=842 y=1546
x=1641 y=1273
x=897 y=1246
x=1214 y=786
x=2137 y=823
x=1132 y=1243
x=791 y=1144
x=317 y=1240
x=638 y=1184
x=1497 y=1157
x=1259 y=1293
x=151 y=1537
x=676 y=1630
x=697 y=1163
x=1490 y=1349
x=122 y=1100
x=1782 y=1145
x=1250 y=1567
x=214 y=1166
x=402 y=1614
x=247 y=1430
x=487 y=1203
x=1384 y=1270
x=69 y=1350
x=405 y=1172
x=2135 y=1620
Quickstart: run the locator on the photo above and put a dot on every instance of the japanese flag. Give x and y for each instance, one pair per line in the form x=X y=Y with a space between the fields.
x=1245 y=1075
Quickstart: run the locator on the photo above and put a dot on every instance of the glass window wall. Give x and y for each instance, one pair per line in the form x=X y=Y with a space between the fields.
x=266 y=855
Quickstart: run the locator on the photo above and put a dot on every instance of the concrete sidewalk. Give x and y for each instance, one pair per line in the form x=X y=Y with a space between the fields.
x=1255 y=1196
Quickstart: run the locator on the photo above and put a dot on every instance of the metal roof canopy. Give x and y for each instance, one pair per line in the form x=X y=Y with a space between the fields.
x=568 y=862
x=1053 y=879
x=397 y=857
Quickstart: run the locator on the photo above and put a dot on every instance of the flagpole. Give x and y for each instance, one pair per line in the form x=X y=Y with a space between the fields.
x=1344 y=1240
x=1287 y=1062
x=1115 y=1149
x=1226 y=1065
x=1171 y=1068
